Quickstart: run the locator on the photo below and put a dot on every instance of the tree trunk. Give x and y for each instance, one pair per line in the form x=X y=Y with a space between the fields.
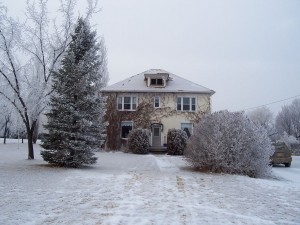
x=6 y=130
x=4 y=140
x=36 y=132
x=22 y=136
x=30 y=143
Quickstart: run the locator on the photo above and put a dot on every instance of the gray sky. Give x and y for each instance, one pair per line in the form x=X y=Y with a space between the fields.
x=248 y=51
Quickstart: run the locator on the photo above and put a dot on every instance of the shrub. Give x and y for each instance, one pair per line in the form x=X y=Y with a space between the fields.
x=230 y=143
x=138 y=141
x=177 y=140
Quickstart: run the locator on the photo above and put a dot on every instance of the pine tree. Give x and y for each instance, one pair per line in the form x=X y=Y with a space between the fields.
x=75 y=121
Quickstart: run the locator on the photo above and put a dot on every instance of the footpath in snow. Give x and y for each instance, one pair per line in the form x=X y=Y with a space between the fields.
x=140 y=189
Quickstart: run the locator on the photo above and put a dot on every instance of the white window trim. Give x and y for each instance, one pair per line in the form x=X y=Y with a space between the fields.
x=190 y=97
x=131 y=102
x=158 y=102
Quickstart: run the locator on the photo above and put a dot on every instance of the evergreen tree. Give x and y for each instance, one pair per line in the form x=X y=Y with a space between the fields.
x=75 y=121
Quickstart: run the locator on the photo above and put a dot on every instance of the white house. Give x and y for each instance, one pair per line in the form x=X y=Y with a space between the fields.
x=156 y=100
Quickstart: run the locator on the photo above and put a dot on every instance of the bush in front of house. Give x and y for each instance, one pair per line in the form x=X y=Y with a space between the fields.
x=139 y=141
x=177 y=140
x=227 y=142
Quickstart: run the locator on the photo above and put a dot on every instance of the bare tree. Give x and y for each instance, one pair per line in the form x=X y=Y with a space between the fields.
x=283 y=121
x=295 y=111
x=8 y=120
x=263 y=117
x=5 y=121
x=29 y=53
x=288 y=140
x=288 y=119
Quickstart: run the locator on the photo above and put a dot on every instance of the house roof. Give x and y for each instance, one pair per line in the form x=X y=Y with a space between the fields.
x=175 y=84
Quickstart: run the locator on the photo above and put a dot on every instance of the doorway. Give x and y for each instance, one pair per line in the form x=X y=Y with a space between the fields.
x=156 y=135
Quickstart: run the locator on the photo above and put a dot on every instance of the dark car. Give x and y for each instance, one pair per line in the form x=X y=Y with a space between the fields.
x=282 y=154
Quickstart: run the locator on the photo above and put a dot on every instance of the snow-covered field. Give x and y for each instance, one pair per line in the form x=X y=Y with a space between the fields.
x=140 y=189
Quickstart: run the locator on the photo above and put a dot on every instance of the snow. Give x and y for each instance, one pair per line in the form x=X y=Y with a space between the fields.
x=140 y=189
x=175 y=84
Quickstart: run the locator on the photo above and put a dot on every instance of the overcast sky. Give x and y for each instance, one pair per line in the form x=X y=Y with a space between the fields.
x=247 y=51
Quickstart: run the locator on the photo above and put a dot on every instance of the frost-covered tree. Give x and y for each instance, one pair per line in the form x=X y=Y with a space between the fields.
x=139 y=141
x=230 y=143
x=75 y=121
x=29 y=52
x=10 y=123
x=288 y=119
x=289 y=140
x=5 y=120
x=283 y=121
x=263 y=117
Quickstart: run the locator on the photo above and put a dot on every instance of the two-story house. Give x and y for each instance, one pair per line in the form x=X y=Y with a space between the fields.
x=156 y=100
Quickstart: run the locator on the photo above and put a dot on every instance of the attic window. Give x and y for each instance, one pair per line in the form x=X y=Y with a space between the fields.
x=157 y=81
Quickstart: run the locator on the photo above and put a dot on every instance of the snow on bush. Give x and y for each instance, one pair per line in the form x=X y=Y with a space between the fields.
x=177 y=140
x=139 y=141
x=230 y=143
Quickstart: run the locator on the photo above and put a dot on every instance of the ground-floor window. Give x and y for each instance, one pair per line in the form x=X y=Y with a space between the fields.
x=126 y=127
x=188 y=128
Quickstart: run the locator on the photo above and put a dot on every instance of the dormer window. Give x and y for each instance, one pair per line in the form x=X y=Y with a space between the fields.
x=157 y=82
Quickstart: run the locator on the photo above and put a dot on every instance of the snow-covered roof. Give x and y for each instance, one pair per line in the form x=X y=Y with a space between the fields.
x=175 y=84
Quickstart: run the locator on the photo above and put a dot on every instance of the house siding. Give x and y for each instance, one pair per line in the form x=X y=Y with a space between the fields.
x=146 y=114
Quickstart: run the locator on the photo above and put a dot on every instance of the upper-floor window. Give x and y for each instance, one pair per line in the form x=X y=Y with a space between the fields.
x=156 y=102
x=127 y=103
x=157 y=81
x=186 y=103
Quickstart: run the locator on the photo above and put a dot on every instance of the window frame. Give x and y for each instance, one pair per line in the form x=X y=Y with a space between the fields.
x=132 y=103
x=121 y=130
x=192 y=103
x=156 y=82
x=154 y=101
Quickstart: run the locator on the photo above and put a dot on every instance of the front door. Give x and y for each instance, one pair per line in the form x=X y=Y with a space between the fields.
x=156 y=136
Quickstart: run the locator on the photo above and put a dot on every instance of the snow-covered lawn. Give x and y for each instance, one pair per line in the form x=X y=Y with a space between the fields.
x=140 y=189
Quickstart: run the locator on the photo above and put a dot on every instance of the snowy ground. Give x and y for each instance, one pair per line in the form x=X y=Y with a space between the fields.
x=140 y=189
